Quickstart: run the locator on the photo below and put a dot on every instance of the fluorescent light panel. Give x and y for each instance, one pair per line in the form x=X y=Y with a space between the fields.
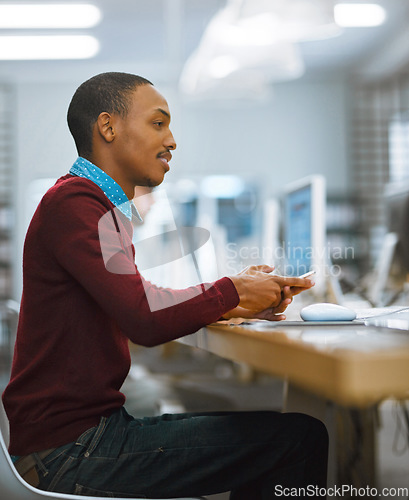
x=47 y=47
x=49 y=16
x=354 y=15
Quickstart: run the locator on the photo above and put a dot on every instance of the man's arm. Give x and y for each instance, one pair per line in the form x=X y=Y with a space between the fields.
x=146 y=314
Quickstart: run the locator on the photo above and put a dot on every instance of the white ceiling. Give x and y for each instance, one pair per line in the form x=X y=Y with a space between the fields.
x=157 y=36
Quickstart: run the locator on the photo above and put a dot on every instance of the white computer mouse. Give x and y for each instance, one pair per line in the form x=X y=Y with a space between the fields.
x=324 y=311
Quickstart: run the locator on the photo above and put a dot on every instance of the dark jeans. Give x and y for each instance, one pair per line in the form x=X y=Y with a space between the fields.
x=255 y=455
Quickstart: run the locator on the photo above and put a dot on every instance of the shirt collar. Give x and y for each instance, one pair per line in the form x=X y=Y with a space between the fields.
x=112 y=190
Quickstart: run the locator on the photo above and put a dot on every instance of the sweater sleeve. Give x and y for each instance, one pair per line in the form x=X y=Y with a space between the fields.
x=93 y=253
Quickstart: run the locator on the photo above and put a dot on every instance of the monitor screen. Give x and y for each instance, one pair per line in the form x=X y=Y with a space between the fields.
x=305 y=227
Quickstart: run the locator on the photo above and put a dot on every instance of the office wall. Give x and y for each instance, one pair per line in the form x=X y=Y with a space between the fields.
x=301 y=130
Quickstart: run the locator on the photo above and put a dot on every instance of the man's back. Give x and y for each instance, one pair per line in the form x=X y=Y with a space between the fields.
x=70 y=357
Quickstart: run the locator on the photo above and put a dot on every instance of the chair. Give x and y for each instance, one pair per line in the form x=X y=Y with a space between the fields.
x=13 y=487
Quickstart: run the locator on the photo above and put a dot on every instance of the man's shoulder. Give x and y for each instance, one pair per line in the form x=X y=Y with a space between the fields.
x=72 y=187
x=74 y=198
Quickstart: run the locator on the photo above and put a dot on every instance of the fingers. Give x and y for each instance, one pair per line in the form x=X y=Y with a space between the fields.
x=287 y=298
x=285 y=302
x=296 y=290
x=286 y=293
x=282 y=281
x=286 y=288
x=272 y=314
x=239 y=312
x=294 y=282
x=269 y=314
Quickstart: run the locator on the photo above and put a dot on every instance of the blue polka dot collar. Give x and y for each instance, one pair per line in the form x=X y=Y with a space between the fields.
x=112 y=190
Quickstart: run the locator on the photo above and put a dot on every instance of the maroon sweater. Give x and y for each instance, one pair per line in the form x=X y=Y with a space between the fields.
x=72 y=355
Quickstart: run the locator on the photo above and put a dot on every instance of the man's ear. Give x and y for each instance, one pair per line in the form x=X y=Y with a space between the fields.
x=105 y=126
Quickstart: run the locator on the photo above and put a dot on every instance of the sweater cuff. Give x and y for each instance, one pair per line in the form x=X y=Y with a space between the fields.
x=230 y=297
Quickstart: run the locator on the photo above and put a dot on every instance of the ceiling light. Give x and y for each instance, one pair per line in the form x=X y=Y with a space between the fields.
x=26 y=16
x=47 y=47
x=353 y=15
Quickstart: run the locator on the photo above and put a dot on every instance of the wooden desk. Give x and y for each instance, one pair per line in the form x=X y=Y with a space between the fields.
x=351 y=365
x=335 y=373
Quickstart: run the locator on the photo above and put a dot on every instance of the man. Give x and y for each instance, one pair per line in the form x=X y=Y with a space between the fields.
x=84 y=299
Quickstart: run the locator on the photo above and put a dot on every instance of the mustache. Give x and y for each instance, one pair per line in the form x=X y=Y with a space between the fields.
x=165 y=154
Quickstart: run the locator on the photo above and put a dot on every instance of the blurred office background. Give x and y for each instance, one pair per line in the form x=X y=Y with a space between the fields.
x=262 y=93
x=265 y=92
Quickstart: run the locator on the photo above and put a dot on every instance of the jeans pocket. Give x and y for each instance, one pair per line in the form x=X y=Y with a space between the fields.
x=87 y=491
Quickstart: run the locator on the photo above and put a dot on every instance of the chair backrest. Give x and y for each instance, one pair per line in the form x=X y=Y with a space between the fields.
x=13 y=487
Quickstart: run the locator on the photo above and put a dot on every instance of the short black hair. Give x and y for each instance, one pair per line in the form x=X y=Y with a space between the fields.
x=107 y=92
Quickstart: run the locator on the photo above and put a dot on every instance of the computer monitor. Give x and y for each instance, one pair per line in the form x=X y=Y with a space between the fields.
x=304 y=229
x=230 y=201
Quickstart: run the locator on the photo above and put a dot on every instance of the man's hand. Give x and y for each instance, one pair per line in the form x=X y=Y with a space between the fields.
x=270 y=314
x=264 y=295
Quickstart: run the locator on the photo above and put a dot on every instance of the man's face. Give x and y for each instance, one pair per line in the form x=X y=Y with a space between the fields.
x=143 y=139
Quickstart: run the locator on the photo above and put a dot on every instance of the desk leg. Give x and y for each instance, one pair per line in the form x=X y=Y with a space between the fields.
x=352 y=449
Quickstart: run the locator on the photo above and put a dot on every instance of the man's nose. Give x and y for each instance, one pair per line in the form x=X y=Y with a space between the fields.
x=170 y=142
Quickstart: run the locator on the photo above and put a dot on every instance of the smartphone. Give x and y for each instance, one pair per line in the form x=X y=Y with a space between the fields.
x=307 y=275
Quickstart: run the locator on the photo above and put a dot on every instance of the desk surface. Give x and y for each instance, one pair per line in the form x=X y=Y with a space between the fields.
x=352 y=365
